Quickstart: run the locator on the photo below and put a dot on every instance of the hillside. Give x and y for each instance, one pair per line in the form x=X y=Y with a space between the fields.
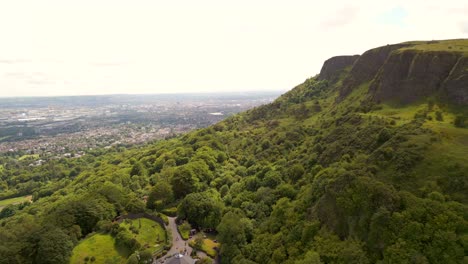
x=366 y=162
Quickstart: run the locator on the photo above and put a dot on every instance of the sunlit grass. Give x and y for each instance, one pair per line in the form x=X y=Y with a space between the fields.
x=458 y=45
x=16 y=200
x=150 y=233
x=99 y=246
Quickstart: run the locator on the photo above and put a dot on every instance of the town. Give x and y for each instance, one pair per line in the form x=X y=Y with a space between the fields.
x=70 y=126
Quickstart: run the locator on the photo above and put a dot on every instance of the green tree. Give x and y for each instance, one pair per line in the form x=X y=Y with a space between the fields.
x=184 y=182
x=138 y=169
x=160 y=196
x=54 y=247
x=202 y=209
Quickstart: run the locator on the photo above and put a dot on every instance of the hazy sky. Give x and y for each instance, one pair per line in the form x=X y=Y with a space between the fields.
x=67 y=47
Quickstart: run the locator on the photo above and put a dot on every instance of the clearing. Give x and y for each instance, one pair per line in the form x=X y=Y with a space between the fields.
x=16 y=200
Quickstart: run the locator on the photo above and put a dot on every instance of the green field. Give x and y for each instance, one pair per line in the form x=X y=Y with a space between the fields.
x=208 y=246
x=150 y=234
x=100 y=246
x=458 y=45
x=1 y=168
x=16 y=200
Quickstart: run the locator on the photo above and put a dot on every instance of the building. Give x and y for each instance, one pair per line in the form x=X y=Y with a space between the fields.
x=180 y=259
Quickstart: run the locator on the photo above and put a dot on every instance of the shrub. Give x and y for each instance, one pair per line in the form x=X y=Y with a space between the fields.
x=172 y=212
x=459 y=121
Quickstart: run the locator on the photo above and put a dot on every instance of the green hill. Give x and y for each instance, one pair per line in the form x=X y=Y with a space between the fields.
x=366 y=162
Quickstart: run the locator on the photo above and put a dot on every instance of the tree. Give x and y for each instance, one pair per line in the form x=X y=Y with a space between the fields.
x=160 y=195
x=459 y=121
x=296 y=172
x=138 y=169
x=202 y=209
x=234 y=229
x=183 y=182
x=54 y=247
x=125 y=240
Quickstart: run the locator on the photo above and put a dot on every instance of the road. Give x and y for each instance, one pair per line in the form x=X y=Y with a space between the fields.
x=178 y=244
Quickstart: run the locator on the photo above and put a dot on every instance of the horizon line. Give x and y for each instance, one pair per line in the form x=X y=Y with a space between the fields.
x=160 y=93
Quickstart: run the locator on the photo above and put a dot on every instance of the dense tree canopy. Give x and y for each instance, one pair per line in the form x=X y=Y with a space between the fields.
x=309 y=178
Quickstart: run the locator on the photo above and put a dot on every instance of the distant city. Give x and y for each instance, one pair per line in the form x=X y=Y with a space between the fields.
x=70 y=126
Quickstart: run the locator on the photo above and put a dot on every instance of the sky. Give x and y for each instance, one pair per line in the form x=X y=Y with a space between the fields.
x=69 y=47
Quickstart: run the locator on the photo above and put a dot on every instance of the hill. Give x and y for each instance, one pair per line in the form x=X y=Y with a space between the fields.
x=365 y=163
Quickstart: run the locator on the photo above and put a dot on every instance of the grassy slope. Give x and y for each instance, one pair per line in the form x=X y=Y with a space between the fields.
x=148 y=233
x=452 y=45
x=100 y=246
x=16 y=200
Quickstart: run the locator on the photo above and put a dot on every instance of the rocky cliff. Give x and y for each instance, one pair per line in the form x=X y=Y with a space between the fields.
x=404 y=73
x=333 y=67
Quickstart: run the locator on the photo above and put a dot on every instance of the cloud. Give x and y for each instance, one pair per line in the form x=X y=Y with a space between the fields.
x=341 y=17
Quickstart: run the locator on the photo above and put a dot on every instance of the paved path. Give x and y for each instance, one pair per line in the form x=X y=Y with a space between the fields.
x=178 y=244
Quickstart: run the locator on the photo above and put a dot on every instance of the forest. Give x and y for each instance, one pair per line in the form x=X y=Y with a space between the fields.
x=330 y=172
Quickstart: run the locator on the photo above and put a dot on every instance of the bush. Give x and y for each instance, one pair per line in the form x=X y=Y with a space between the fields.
x=172 y=212
x=184 y=230
x=125 y=239
x=460 y=121
x=164 y=218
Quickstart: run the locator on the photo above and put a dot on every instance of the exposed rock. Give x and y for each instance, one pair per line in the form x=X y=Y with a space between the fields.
x=455 y=85
x=411 y=75
x=366 y=67
x=333 y=67
x=404 y=75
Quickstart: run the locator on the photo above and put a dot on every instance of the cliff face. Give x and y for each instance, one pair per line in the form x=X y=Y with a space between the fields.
x=366 y=67
x=333 y=67
x=456 y=84
x=399 y=73
x=411 y=75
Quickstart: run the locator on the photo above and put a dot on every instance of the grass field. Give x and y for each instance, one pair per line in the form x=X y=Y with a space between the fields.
x=208 y=245
x=1 y=168
x=460 y=45
x=99 y=246
x=16 y=200
x=102 y=246
x=150 y=234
